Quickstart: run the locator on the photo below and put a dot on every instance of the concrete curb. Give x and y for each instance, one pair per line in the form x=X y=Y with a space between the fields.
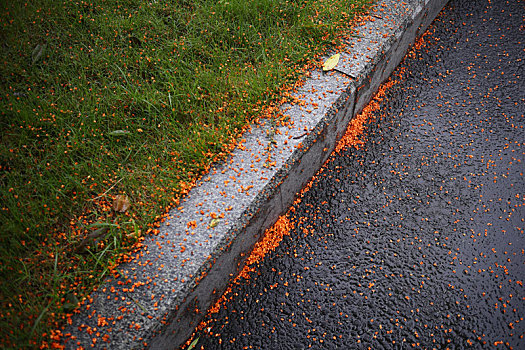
x=161 y=296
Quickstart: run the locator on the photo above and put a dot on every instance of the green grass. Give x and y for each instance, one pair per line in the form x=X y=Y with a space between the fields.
x=125 y=97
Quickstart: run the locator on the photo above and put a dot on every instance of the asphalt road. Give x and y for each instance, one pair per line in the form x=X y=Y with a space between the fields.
x=415 y=239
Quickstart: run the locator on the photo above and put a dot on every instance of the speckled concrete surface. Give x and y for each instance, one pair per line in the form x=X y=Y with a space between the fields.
x=415 y=239
x=161 y=295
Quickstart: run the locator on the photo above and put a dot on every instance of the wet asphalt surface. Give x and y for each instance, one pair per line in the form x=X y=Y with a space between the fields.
x=416 y=239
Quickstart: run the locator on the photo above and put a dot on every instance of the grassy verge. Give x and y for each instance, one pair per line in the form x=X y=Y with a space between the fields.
x=106 y=98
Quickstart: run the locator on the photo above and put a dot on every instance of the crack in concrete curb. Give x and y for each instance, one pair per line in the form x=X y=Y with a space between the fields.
x=163 y=294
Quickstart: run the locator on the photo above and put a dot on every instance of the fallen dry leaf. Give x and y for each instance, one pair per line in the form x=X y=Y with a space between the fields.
x=101 y=232
x=331 y=62
x=214 y=223
x=121 y=203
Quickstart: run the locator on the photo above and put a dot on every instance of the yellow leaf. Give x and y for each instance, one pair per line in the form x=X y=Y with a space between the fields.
x=193 y=343
x=331 y=62
x=214 y=222
x=121 y=203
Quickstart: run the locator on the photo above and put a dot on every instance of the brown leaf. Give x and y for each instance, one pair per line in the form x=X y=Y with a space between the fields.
x=121 y=203
x=101 y=232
